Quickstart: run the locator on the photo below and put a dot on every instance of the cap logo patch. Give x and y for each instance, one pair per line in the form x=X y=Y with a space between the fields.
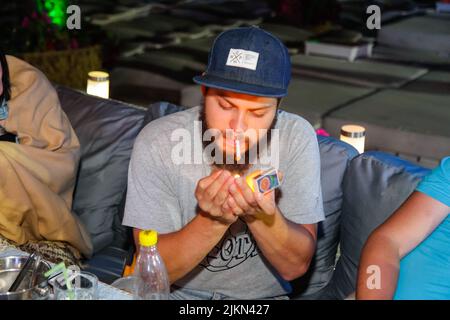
x=242 y=59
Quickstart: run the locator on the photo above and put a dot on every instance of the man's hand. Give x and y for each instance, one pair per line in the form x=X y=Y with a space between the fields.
x=211 y=194
x=244 y=202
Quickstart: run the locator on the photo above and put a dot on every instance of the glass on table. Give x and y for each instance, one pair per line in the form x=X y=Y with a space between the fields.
x=129 y=284
x=82 y=286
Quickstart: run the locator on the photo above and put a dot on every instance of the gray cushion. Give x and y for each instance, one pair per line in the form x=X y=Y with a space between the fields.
x=434 y=82
x=198 y=47
x=413 y=57
x=178 y=65
x=106 y=130
x=161 y=109
x=313 y=98
x=150 y=26
x=140 y=87
x=375 y=185
x=286 y=33
x=360 y=72
x=334 y=159
x=430 y=33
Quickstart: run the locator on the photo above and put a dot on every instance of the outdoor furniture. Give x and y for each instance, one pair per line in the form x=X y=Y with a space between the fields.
x=434 y=82
x=412 y=124
x=313 y=99
x=366 y=73
x=423 y=33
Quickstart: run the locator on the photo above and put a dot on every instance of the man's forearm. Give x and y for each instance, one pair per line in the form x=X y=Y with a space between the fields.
x=378 y=269
x=288 y=246
x=183 y=250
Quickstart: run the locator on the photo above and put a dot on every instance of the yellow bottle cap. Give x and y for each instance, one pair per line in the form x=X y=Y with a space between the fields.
x=148 y=238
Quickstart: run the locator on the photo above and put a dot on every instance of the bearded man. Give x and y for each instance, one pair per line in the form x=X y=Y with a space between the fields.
x=219 y=238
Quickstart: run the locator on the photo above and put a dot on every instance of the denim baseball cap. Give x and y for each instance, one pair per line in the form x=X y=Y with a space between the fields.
x=248 y=60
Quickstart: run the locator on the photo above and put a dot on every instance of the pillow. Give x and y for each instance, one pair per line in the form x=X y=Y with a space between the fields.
x=106 y=130
x=335 y=157
x=375 y=186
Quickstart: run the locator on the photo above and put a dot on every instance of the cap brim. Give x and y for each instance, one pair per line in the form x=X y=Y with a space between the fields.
x=235 y=86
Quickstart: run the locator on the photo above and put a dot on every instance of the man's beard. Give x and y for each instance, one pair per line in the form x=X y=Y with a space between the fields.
x=234 y=167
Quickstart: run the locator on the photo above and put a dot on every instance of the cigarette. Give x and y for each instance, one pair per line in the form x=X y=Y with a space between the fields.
x=238 y=149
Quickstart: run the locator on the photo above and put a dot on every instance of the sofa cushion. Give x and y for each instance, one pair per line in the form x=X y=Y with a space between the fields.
x=410 y=34
x=399 y=121
x=365 y=73
x=375 y=185
x=307 y=99
x=106 y=130
x=161 y=109
x=335 y=156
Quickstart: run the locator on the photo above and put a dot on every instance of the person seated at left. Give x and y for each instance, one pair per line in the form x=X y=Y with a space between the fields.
x=39 y=155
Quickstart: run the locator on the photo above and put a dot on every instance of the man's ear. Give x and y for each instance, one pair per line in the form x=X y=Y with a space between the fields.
x=203 y=90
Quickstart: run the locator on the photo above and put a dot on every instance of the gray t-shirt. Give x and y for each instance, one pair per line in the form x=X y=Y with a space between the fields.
x=161 y=196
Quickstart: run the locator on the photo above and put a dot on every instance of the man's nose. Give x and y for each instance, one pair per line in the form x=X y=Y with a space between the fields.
x=239 y=121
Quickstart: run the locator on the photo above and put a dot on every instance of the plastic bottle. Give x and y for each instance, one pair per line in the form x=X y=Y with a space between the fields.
x=150 y=268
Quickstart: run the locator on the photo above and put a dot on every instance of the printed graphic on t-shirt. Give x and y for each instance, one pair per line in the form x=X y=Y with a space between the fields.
x=235 y=247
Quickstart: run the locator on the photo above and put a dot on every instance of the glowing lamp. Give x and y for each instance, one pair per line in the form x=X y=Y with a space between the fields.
x=354 y=135
x=98 y=84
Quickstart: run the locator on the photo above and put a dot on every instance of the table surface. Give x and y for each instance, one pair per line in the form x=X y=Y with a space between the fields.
x=105 y=291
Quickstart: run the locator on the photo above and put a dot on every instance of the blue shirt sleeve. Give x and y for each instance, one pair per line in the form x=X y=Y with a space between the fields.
x=437 y=183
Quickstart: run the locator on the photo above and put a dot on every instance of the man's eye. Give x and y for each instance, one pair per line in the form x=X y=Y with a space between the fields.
x=259 y=114
x=225 y=107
